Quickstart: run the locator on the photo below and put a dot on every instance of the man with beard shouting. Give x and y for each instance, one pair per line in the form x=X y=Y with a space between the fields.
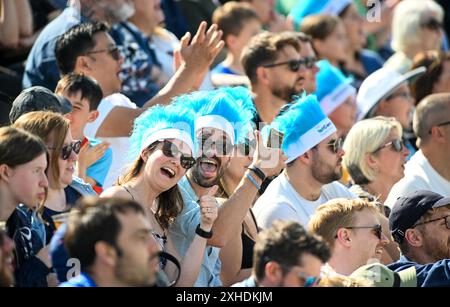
x=314 y=164
x=223 y=119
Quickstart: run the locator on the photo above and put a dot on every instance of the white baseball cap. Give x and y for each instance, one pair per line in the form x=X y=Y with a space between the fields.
x=379 y=85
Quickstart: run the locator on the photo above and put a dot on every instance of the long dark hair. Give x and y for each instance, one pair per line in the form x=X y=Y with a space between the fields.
x=168 y=204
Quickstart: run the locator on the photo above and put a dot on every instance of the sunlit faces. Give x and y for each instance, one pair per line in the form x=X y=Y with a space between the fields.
x=80 y=114
x=390 y=162
x=215 y=150
x=353 y=23
x=103 y=66
x=334 y=46
x=344 y=116
x=431 y=32
x=236 y=43
x=436 y=234
x=66 y=166
x=137 y=260
x=163 y=164
x=264 y=9
x=366 y=241
x=150 y=10
x=307 y=80
x=398 y=104
x=326 y=164
x=28 y=182
x=283 y=82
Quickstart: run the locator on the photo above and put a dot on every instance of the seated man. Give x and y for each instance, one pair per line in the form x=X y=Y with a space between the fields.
x=353 y=231
x=286 y=255
x=113 y=241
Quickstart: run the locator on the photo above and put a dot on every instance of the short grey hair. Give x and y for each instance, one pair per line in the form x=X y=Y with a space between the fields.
x=431 y=110
x=406 y=22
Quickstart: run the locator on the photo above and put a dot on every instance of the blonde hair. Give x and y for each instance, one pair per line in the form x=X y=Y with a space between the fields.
x=405 y=30
x=335 y=214
x=364 y=138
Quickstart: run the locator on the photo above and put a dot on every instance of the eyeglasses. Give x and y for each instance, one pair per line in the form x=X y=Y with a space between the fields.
x=223 y=147
x=446 y=218
x=441 y=124
x=335 y=145
x=114 y=52
x=66 y=150
x=294 y=65
x=431 y=23
x=170 y=150
x=397 y=145
x=377 y=230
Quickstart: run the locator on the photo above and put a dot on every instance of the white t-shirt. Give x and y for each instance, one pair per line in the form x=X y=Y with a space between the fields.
x=281 y=201
x=419 y=175
x=119 y=145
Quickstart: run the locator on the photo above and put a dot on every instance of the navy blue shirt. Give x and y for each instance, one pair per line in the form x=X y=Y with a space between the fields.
x=41 y=66
x=428 y=275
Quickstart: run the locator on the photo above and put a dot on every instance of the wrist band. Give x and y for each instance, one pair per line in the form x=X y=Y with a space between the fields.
x=258 y=172
x=202 y=233
x=252 y=180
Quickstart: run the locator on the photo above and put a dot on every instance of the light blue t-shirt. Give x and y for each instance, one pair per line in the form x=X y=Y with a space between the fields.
x=182 y=233
x=100 y=168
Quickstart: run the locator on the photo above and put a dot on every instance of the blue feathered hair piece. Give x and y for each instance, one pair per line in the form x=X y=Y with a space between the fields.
x=235 y=104
x=158 y=118
x=298 y=119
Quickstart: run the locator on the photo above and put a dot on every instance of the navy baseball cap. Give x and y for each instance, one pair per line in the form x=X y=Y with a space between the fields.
x=38 y=98
x=410 y=208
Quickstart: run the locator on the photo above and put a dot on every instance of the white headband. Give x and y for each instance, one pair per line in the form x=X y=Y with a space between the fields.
x=331 y=101
x=217 y=122
x=170 y=133
x=310 y=139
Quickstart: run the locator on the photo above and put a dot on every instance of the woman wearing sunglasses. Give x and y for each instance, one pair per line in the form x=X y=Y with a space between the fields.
x=64 y=188
x=375 y=158
x=237 y=254
x=162 y=140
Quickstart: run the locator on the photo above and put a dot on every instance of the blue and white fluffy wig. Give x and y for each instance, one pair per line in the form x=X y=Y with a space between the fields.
x=159 y=123
x=229 y=109
x=304 y=125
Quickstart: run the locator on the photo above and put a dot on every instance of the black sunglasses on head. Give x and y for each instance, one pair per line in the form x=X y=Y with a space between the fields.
x=294 y=65
x=66 y=150
x=170 y=150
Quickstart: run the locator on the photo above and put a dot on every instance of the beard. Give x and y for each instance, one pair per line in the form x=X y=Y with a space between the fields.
x=134 y=276
x=437 y=250
x=323 y=172
x=285 y=93
x=197 y=173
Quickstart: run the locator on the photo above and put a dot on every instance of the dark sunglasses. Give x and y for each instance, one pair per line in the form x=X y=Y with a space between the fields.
x=247 y=147
x=308 y=281
x=114 y=52
x=294 y=65
x=432 y=23
x=397 y=145
x=223 y=147
x=170 y=150
x=66 y=150
x=335 y=145
x=377 y=230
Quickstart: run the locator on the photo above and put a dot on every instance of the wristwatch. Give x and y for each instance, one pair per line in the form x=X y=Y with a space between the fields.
x=258 y=172
x=202 y=233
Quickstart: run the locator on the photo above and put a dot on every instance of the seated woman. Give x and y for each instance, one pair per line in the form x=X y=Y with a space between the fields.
x=237 y=254
x=162 y=143
x=375 y=158
x=23 y=187
x=436 y=79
